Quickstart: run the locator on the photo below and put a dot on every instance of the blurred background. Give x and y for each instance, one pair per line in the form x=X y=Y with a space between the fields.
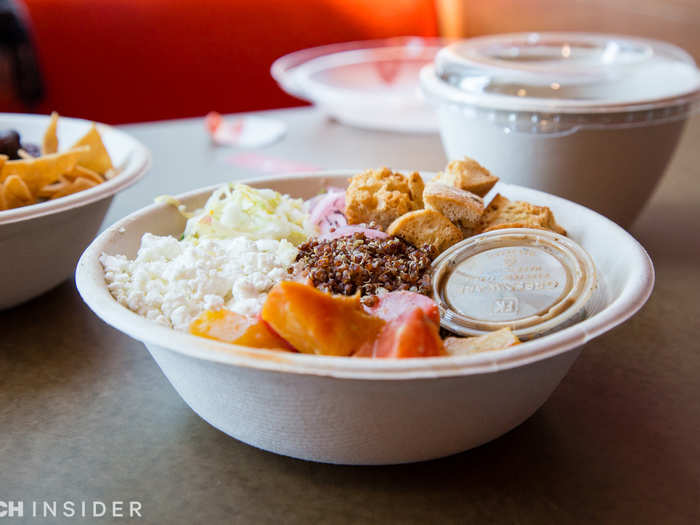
x=120 y=61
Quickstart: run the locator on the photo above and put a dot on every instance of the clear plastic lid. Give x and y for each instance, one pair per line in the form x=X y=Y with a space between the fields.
x=533 y=281
x=372 y=84
x=566 y=73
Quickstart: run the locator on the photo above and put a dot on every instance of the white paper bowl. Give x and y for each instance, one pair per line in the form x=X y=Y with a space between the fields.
x=40 y=244
x=362 y=411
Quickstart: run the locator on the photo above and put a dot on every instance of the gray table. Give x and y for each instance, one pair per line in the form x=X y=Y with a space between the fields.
x=85 y=413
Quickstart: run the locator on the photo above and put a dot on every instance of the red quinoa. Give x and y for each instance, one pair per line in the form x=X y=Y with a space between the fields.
x=348 y=264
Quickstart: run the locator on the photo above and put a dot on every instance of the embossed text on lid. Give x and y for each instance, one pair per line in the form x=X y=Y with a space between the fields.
x=507 y=284
x=528 y=280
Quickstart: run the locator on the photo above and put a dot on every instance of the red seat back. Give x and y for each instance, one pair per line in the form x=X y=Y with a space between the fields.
x=136 y=60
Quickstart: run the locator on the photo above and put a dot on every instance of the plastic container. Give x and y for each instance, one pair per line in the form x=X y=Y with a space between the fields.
x=372 y=84
x=593 y=118
x=369 y=411
x=532 y=281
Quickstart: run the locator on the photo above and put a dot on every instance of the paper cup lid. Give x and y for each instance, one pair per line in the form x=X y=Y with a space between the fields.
x=532 y=281
x=566 y=73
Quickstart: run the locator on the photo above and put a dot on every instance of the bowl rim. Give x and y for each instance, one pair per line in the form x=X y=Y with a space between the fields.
x=136 y=165
x=93 y=289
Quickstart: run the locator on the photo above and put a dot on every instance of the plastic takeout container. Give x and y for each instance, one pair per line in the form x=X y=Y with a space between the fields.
x=593 y=118
x=369 y=411
x=40 y=244
x=371 y=84
x=531 y=281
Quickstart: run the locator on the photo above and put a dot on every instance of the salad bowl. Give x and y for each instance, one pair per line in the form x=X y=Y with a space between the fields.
x=369 y=411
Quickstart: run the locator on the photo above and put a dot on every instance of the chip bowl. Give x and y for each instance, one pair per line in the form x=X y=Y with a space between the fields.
x=41 y=243
x=370 y=411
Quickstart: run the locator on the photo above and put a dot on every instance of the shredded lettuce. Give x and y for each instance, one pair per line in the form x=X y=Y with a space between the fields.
x=167 y=199
x=235 y=210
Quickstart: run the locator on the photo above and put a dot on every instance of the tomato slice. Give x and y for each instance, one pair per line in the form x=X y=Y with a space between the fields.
x=412 y=334
x=393 y=305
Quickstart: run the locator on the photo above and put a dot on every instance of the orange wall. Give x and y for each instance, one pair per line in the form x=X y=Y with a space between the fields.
x=676 y=21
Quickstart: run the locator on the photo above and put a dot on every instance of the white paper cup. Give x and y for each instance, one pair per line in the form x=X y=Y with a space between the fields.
x=592 y=118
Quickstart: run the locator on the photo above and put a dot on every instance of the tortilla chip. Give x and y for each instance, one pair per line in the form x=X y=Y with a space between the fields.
x=83 y=184
x=82 y=171
x=44 y=170
x=23 y=154
x=15 y=193
x=77 y=185
x=97 y=159
x=50 y=143
x=48 y=191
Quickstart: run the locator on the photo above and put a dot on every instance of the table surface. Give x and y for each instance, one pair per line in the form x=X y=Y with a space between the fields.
x=85 y=413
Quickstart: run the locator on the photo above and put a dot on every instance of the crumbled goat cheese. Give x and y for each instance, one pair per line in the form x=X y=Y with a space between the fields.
x=173 y=281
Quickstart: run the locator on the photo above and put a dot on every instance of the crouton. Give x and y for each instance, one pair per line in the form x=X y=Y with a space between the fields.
x=463 y=208
x=503 y=213
x=467 y=175
x=381 y=196
x=426 y=227
x=497 y=340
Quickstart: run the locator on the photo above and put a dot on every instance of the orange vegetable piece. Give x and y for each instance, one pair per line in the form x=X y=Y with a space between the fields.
x=413 y=334
x=260 y=335
x=230 y=327
x=315 y=322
